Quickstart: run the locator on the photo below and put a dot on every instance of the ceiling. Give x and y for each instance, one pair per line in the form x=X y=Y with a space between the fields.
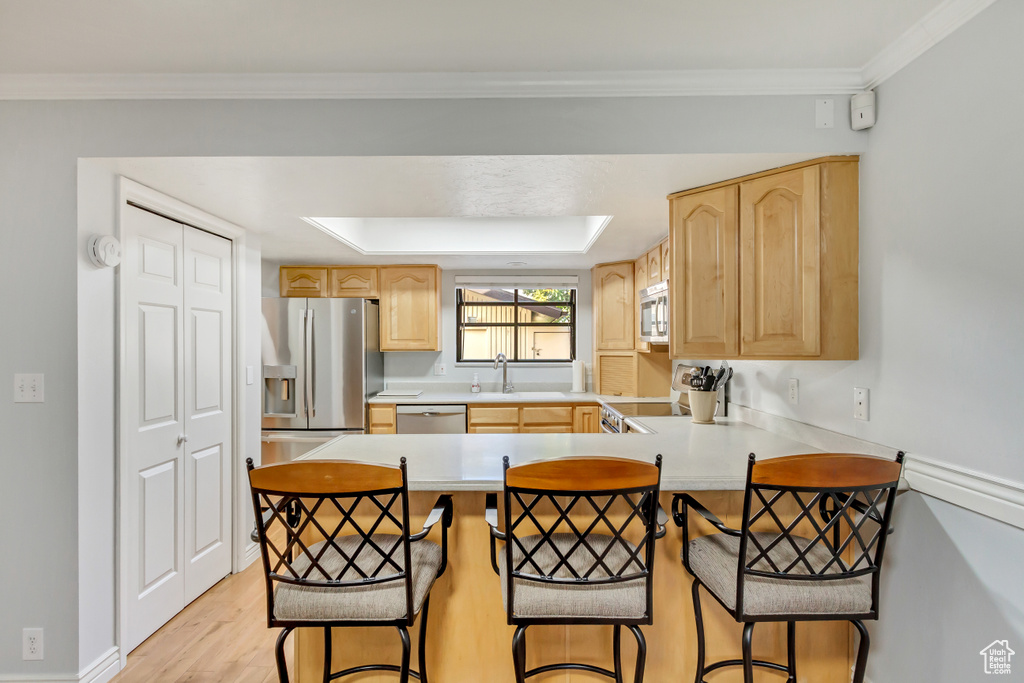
x=272 y=195
x=346 y=36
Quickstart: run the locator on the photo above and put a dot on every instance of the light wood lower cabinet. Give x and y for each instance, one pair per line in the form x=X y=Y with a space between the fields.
x=529 y=418
x=765 y=267
x=382 y=418
x=586 y=420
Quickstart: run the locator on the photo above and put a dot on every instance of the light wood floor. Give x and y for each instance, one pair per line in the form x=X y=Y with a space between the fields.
x=222 y=636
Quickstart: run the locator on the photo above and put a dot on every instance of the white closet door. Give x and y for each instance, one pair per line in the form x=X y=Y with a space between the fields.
x=153 y=409
x=208 y=415
x=176 y=404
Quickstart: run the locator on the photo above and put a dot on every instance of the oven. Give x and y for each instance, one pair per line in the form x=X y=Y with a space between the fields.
x=654 y=313
x=611 y=420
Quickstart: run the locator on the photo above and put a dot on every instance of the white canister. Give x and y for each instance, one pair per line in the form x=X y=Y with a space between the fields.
x=703 y=406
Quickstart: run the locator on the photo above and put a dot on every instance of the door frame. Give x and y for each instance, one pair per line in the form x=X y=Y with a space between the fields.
x=243 y=550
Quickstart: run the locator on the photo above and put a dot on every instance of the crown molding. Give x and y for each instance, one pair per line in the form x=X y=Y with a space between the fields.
x=919 y=38
x=930 y=30
x=304 y=86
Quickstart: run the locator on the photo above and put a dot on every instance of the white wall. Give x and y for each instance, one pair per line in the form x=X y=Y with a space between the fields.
x=46 y=447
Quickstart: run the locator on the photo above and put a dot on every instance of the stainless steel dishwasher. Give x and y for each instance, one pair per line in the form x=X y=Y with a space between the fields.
x=421 y=419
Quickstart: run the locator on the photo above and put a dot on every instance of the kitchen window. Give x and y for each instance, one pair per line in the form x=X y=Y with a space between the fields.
x=534 y=324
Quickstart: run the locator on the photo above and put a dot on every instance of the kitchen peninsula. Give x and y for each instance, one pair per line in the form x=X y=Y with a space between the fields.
x=469 y=639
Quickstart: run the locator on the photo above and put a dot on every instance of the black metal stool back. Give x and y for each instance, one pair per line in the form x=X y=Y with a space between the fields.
x=287 y=499
x=844 y=505
x=583 y=493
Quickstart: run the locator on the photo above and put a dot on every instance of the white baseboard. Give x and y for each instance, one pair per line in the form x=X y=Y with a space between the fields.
x=103 y=669
x=100 y=671
x=993 y=497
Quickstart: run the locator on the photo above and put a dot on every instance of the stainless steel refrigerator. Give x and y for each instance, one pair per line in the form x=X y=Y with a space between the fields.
x=321 y=361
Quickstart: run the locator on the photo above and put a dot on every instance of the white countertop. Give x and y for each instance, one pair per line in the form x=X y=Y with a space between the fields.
x=442 y=398
x=695 y=457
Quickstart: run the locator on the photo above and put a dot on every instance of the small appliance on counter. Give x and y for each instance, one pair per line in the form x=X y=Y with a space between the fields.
x=321 y=361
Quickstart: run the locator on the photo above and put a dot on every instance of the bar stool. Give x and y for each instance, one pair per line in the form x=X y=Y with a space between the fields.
x=832 y=573
x=580 y=568
x=365 y=569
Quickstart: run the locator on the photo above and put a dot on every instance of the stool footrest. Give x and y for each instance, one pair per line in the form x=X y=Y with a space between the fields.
x=739 y=662
x=571 y=666
x=374 y=667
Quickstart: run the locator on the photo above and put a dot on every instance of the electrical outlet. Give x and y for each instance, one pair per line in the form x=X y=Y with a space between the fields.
x=440 y=369
x=794 y=390
x=861 y=403
x=31 y=644
x=28 y=388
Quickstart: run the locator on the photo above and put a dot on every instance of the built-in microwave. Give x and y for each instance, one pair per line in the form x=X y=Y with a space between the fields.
x=654 y=313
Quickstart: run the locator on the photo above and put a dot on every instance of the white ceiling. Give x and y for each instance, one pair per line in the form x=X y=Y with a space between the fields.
x=271 y=195
x=373 y=36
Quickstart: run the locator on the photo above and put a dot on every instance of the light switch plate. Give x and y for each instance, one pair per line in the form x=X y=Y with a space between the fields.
x=440 y=368
x=28 y=388
x=794 y=391
x=250 y=374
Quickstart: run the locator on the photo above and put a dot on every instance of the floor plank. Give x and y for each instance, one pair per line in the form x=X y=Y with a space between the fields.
x=222 y=636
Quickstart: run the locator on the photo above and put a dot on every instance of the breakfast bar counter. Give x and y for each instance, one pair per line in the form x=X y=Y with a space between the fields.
x=469 y=640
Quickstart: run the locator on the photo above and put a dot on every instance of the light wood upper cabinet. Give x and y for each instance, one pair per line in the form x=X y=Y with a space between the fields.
x=357 y=282
x=779 y=265
x=765 y=267
x=299 y=281
x=703 y=281
x=409 y=308
x=614 y=315
x=640 y=283
x=654 y=273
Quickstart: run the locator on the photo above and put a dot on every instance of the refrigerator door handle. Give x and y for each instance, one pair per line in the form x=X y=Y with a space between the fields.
x=307 y=347
x=311 y=363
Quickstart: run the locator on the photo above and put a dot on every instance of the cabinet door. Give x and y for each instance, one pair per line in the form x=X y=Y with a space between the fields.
x=780 y=265
x=547 y=415
x=654 y=273
x=587 y=420
x=666 y=262
x=616 y=374
x=613 y=296
x=640 y=283
x=382 y=419
x=358 y=282
x=409 y=308
x=704 y=287
x=302 y=281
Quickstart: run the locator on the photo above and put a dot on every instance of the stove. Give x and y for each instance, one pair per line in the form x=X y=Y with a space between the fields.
x=613 y=414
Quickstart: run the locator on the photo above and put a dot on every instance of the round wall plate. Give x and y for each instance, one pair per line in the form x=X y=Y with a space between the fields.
x=104 y=251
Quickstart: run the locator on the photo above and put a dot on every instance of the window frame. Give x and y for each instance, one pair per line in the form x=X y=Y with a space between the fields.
x=515 y=305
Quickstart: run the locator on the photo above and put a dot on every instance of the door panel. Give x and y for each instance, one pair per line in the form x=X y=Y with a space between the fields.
x=703 y=282
x=208 y=424
x=338 y=370
x=779 y=253
x=152 y=407
x=158 y=511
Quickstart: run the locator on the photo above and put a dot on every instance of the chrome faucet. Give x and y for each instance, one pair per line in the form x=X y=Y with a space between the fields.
x=506 y=386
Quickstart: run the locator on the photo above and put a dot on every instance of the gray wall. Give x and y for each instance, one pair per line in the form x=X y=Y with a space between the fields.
x=40 y=268
x=941 y=295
